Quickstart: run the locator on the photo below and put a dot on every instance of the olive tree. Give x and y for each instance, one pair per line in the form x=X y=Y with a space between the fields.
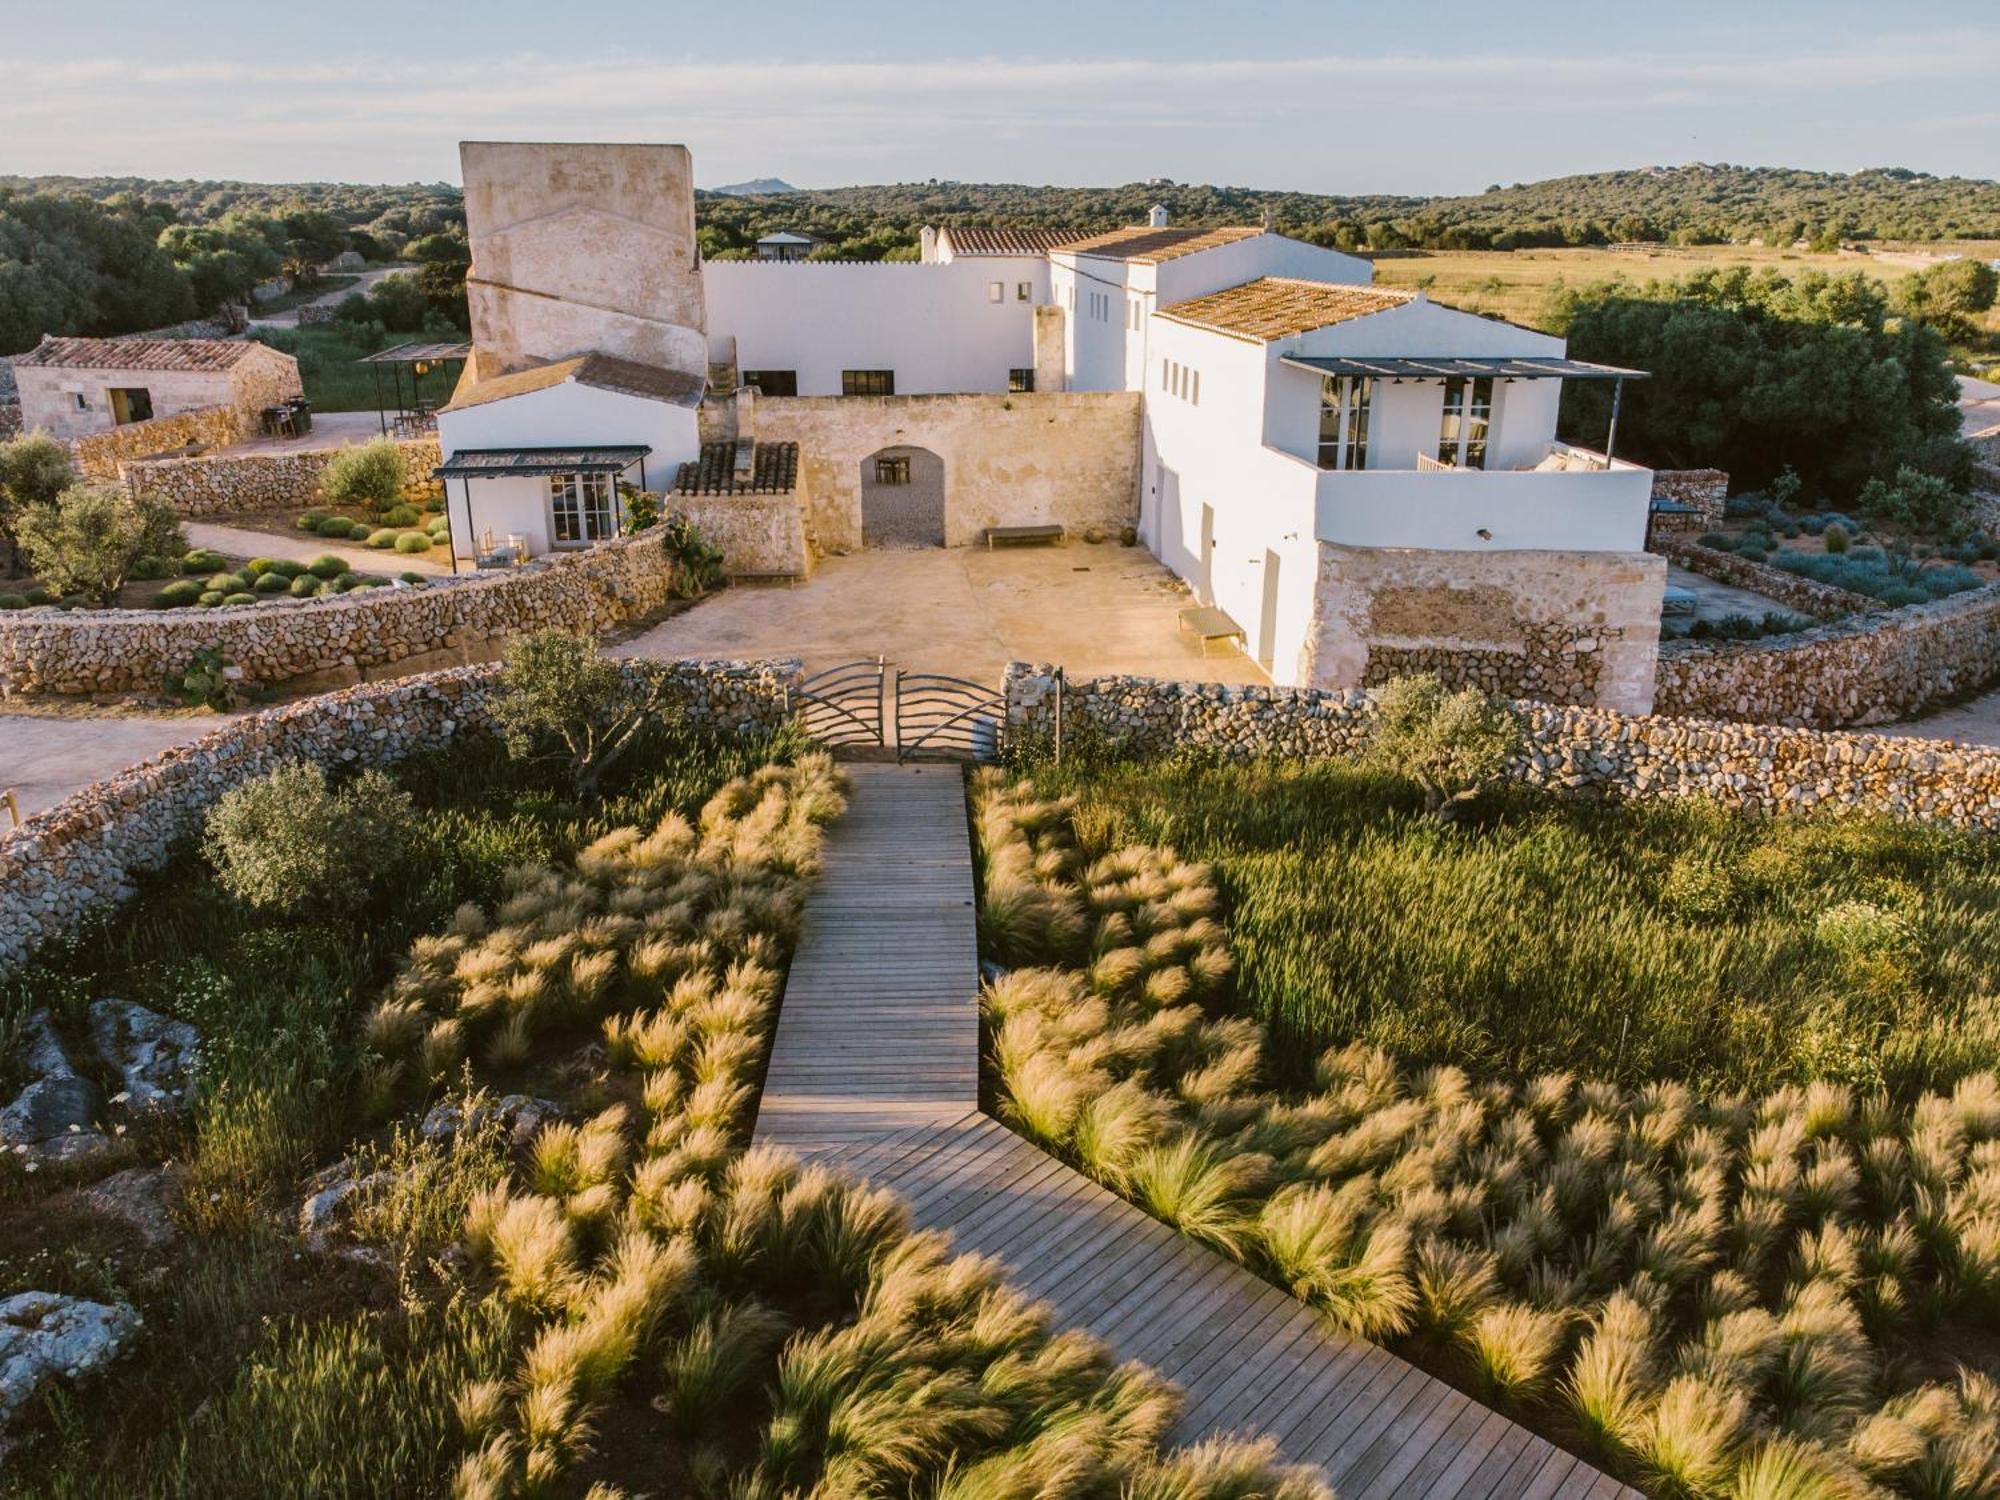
x=1452 y=745
x=366 y=474
x=34 y=469
x=290 y=839
x=85 y=542
x=560 y=698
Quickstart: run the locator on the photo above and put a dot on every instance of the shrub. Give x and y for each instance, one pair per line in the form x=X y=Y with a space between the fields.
x=175 y=595
x=201 y=560
x=1837 y=539
x=304 y=586
x=289 y=839
x=286 y=567
x=382 y=540
x=560 y=698
x=642 y=511
x=150 y=566
x=413 y=542
x=699 y=566
x=328 y=566
x=13 y=601
x=368 y=474
x=414 y=577
x=1721 y=541
x=399 y=515
x=210 y=598
x=257 y=567
x=206 y=681
x=87 y=540
x=334 y=526
x=360 y=531
x=271 y=583
x=1923 y=502
x=310 y=521
x=1450 y=744
x=239 y=598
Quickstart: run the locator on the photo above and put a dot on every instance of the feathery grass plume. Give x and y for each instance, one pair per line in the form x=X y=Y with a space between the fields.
x=480 y=1406
x=1224 y=1077
x=1784 y=1468
x=492 y=1472
x=512 y=1043
x=664 y=1203
x=1318 y=1239
x=529 y=1242
x=442 y=1050
x=1975 y=1102
x=1224 y=1469
x=1736 y=1350
x=1112 y=1128
x=1829 y=1184
x=718 y=1103
x=727 y=1348
x=1821 y=1379
x=1610 y=1378
x=652 y=1041
x=641 y=1281
x=1686 y=1444
x=726 y=1055
x=1936 y=1440
x=1512 y=1346
x=1454 y=1283
x=1186 y=1183
x=394 y=1027
x=1677 y=1248
x=1044 y=1097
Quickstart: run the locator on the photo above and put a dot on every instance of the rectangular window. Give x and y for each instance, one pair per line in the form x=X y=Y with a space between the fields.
x=996 y=291
x=867 y=382
x=1343 y=421
x=1468 y=415
x=1194 y=387
x=1020 y=381
x=1023 y=290
x=131 y=404
x=892 y=470
x=773 y=382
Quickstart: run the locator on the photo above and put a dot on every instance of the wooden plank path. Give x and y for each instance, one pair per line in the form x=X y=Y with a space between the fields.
x=875 y=1069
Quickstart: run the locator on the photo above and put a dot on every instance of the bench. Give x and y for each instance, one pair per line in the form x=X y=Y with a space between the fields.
x=1209 y=624
x=1051 y=533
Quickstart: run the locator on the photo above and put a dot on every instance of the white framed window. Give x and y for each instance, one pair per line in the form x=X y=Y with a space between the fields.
x=996 y=291
x=582 y=509
x=1468 y=417
x=1343 y=421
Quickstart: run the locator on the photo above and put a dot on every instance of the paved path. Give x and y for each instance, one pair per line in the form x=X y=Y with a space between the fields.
x=874 y=1068
x=1978 y=404
x=237 y=541
x=44 y=758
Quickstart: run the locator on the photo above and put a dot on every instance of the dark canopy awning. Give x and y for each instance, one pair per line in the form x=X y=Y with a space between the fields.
x=507 y=463
x=411 y=354
x=1533 y=367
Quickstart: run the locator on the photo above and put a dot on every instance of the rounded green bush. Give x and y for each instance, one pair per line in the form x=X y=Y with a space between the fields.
x=345 y=583
x=201 y=560
x=178 y=595
x=328 y=566
x=271 y=583
x=257 y=567
x=209 y=598
x=413 y=541
x=286 y=567
x=239 y=598
x=414 y=577
x=147 y=567
x=358 y=532
x=13 y=601
x=304 y=586
x=1837 y=539
x=226 y=581
x=310 y=520
x=368 y=583
x=399 y=515
x=382 y=540
x=334 y=526
x=39 y=594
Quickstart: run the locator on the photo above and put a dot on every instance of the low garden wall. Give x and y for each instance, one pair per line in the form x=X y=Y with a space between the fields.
x=761 y=536
x=343 y=639
x=1820 y=601
x=1706 y=490
x=1866 y=669
x=101 y=455
x=1755 y=768
x=83 y=852
x=223 y=484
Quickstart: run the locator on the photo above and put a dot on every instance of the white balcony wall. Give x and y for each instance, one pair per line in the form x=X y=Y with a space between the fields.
x=1600 y=510
x=934 y=323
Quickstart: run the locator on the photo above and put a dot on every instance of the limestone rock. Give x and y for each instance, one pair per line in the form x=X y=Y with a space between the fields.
x=46 y=1337
x=141 y=1198
x=331 y=1204
x=56 y=1115
x=520 y=1114
x=152 y=1053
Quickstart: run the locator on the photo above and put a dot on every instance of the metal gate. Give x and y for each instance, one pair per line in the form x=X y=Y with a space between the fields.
x=947 y=718
x=847 y=704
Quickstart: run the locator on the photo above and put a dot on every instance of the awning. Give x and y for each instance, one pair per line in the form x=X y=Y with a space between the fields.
x=1497 y=367
x=410 y=354
x=507 y=463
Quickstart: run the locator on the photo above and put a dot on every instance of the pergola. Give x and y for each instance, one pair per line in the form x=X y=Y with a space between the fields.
x=1496 y=367
x=414 y=413
x=468 y=464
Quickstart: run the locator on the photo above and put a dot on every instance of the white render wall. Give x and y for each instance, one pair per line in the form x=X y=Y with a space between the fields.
x=933 y=323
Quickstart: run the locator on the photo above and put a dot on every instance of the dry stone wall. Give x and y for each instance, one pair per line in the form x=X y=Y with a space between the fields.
x=1753 y=768
x=342 y=639
x=84 y=852
x=222 y=484
x=1819 y=601
x=761 y=536
x=1706 y=490
x=101 y=455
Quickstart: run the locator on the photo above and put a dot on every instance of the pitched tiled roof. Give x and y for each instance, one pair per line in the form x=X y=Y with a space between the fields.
x=1277 y=307
x=979 y=239
x=604 y=371
x=1150 y=246
x=138 y=354
x=774 y=470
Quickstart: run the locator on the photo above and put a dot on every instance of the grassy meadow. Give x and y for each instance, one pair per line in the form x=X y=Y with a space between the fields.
x=1635 y=942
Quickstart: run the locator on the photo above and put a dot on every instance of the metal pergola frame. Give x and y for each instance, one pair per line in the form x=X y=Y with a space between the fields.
x=469 y=464
x=417 y=356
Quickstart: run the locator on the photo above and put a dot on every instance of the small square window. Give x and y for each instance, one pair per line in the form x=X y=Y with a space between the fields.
x=867 y=382
x=996 y=291
x=892 y=470
x=1023 y=290
x=1020 y=381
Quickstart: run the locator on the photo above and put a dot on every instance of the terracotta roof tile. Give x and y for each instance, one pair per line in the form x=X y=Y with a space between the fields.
x=603 y=371
x=1150 y=246
x=979 y=239
x=138 y=354
x=774 y=470
x=1278 y=307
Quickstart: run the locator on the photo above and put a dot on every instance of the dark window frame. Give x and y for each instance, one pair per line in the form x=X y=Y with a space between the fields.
x=787 y=381
x=867 y=382
x=893 y=471
x=1021 y=382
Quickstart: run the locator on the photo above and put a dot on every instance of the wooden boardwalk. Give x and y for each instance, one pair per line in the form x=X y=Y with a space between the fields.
x=875 y=1069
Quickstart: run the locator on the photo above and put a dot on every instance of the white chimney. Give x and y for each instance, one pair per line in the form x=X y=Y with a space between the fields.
x=1157 y=217
x=927 y=238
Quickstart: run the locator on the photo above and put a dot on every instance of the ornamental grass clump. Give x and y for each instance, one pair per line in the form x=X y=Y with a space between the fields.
x=1713 y=1296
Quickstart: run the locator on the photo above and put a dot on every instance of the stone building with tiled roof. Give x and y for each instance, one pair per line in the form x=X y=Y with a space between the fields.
x=72 y=387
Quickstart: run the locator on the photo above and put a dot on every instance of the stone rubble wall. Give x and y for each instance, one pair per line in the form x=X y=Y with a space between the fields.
x=1806 y=596
x=10 y=419
x=84 y=852
x=761 y=536
x=1707 y=490
x=342 y=639
x=224 y=484
x=101 y=455
x=1864 y=669
x=1753 y=768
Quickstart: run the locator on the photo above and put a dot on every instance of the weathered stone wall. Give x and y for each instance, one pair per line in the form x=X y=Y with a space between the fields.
x=1559 y=627
x=1580 y=750
x=223 y=484
x=1068 y=457
x=342 y=639
x=100 y=454
x=1707 y=490
x=1864 y=669
x=83 y=852
x=761 y=536
x=1818 y=601
x=10 y=419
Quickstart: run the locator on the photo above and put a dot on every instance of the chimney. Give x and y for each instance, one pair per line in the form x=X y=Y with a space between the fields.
x=1157 y=218
x=927 y=238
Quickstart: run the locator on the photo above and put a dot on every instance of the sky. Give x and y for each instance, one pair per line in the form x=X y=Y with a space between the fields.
x=1317 y=95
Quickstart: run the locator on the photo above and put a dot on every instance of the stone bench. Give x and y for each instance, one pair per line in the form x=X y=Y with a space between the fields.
x=1208 y=624
x=1051 y=533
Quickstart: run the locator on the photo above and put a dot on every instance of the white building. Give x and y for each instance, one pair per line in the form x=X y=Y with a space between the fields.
x=1362 y=481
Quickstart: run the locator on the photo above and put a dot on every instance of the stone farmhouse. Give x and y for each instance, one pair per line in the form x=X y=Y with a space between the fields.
x=1358 y=481
x=73 y=387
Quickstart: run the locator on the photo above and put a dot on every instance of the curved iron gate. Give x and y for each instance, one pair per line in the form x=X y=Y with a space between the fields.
x=948 y=718
x=846 y=705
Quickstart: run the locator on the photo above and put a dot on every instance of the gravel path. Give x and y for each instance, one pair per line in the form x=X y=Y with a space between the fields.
x=239 y=542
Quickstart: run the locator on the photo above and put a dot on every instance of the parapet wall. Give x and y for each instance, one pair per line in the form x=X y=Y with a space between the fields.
x=223 y=484
x=347 y=638
x=84 y=852
x=1753 y=768
x=100 y=455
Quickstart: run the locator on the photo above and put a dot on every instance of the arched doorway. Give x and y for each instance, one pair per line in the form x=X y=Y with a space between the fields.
x=902 y=498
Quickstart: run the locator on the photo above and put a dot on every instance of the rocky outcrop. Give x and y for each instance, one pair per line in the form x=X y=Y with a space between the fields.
x=520 y=1115
x=141 y=1198
x=56 y=1117
x=45 y=1337
x=154 y=1055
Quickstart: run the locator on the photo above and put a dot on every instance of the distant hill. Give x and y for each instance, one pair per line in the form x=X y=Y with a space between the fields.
x=755 y=188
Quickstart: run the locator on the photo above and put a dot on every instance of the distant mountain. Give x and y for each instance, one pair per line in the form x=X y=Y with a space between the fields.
x=756 y=187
